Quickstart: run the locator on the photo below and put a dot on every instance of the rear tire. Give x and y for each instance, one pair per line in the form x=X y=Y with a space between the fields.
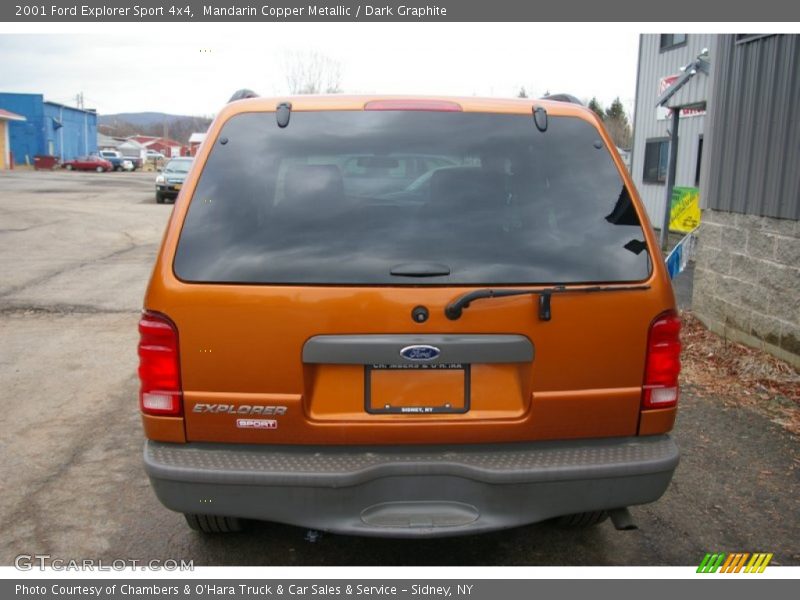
x=213 y=523
x=99 y=169
x=584 y=519
x=68 y=167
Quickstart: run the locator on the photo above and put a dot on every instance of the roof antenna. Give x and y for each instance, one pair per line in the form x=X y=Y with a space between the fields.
x=540 y=118
x=282 y=114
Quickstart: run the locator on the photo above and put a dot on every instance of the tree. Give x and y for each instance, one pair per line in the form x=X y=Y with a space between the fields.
x=312 y=73
x=522 y=93
x=595 y=106
x=616 y=110
x=618 y=125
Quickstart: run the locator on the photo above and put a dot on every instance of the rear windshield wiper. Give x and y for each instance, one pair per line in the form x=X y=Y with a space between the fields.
x=454 y=310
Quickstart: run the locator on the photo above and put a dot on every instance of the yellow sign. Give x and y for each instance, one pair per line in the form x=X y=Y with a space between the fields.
x=684 y=212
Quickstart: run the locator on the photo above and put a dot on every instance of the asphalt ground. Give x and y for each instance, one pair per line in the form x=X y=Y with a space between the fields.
x=76 y=251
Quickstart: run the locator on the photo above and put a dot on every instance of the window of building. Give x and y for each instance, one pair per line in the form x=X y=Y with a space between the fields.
x=699 y=161
x=672 y=40
x=656 y=158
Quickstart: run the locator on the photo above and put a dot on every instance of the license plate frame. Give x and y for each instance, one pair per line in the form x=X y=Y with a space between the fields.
x=423 y=408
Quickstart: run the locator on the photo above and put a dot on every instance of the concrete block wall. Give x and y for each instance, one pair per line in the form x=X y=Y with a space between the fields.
x=747 y=281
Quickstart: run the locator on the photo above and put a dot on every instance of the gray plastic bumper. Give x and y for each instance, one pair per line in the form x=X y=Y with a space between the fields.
x=411 y=491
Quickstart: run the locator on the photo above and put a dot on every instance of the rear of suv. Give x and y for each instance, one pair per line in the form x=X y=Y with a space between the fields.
x=408 y=317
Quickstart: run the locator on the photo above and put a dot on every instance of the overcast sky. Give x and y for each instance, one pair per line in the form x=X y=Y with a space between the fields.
x=182 y=71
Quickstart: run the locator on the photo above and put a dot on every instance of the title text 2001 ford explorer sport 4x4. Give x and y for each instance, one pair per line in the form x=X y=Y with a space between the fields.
x=408 y=317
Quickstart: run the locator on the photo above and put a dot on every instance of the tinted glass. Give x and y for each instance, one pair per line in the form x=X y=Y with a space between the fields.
x=348 y=197
x=669 y=40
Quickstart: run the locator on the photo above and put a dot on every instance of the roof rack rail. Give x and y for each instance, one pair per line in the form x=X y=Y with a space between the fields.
x=562 y=98
x=243 y=94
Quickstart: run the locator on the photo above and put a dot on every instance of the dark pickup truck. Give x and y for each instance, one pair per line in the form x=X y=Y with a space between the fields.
x=117 y=159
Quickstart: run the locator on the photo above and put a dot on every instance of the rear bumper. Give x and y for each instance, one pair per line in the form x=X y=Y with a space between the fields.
x=411 y=491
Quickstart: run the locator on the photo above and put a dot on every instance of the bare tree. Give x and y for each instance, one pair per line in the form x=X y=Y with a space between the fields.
x=179 y=128
x=312 y=73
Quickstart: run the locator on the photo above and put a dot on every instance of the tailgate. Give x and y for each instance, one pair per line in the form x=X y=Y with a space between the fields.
x=294 y=279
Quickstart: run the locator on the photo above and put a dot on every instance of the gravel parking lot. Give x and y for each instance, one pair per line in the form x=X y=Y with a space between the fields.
x=76 y=251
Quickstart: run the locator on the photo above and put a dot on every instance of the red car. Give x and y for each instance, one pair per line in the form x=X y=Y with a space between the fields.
x=88 y=163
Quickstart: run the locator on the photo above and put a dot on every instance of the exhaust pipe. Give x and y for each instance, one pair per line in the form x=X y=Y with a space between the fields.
x=622 y=519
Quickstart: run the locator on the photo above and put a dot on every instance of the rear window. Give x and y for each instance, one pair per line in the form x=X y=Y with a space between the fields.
x=442 y=198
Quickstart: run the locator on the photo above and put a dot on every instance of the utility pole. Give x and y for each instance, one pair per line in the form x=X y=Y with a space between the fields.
x=672 y=167
x=79 y=100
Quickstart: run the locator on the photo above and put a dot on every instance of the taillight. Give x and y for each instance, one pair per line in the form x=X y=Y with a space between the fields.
x=663 y=365
x=159 y=366
x=409 y=104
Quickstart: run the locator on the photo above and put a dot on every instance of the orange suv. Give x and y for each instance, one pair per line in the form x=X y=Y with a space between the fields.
x=408 y=317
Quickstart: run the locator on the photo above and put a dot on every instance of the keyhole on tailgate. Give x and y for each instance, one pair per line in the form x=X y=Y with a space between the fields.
x=419 y=314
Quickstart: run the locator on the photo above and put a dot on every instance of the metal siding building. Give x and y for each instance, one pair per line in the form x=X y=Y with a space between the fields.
x=747 y=267
x=5 y=146
x=50 y=128
x=754 y=128
x=654 y=65
x=76 y=137
x=26 y=138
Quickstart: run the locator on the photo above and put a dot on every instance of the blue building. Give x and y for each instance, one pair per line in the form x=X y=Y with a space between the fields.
x=49 y=128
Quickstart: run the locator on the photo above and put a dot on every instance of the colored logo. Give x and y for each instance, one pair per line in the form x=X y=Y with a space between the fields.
x=420 y=352
x=735 y=562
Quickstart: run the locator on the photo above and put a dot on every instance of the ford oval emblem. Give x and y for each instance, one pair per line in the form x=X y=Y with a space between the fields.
x=420 y=352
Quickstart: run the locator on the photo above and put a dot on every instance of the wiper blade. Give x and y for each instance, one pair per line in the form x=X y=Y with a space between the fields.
x=420 y=270
x=455 y=309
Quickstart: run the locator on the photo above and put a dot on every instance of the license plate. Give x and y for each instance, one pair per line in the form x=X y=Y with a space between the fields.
x=416 y=389
x=177 y=186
